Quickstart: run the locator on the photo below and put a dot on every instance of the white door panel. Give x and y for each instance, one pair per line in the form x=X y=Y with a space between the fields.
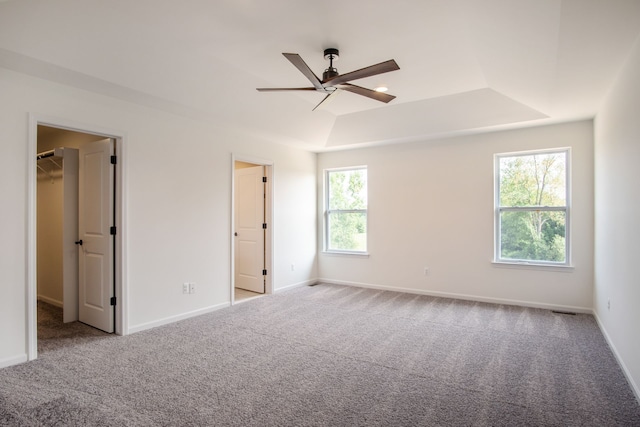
x=94 y=222
x=249 y=234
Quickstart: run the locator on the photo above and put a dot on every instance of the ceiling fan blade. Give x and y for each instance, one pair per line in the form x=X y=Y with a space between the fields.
x=326 y=99
x=280 y=89
x=299 y=63
x=378 y=96
x=383 y=67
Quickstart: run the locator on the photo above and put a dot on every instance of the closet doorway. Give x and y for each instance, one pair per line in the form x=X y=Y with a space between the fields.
x=74 y=245
x=251 y=231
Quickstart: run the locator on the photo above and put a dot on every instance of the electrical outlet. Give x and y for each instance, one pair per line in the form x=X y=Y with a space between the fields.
x=426 y=271
x=608 y=304
x=293 y=267
x=192 y=288
x=185 y=288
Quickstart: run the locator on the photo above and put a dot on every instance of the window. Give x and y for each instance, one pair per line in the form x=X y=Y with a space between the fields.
x=532 y=213
x=346 y=210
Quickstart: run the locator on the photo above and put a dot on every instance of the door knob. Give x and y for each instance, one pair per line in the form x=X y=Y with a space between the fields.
x=79 y=242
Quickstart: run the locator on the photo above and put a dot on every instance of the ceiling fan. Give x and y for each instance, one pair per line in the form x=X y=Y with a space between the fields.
x=332 y=82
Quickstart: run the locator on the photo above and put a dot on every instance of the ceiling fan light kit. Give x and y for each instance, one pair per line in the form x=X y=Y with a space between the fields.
x=332 y=81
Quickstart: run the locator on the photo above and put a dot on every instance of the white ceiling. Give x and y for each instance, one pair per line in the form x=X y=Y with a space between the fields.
x=465 y=65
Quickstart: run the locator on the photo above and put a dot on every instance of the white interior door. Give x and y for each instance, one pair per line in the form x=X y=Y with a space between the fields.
x=95 y=218
x=249 y=232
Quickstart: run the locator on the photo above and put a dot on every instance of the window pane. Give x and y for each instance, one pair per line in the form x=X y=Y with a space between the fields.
x=348 y=189
x=533 y=180
x=347 y=231
x=533 y=236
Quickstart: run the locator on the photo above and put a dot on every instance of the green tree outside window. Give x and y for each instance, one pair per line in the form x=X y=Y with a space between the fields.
x=346 y=210
x=532 y=207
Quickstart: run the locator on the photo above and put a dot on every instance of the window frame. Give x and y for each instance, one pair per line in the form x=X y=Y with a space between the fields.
x=498 y=209
x=328 y=212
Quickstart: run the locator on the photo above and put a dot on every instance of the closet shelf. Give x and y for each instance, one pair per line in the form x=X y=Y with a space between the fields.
x=54 y=157
x=56 y=152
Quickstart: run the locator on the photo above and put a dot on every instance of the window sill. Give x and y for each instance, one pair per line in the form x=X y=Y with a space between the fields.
x=533 y=266
x=348 y=254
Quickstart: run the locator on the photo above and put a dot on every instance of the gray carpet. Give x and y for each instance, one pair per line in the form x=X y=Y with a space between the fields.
x=332 y=356
x=53 y=334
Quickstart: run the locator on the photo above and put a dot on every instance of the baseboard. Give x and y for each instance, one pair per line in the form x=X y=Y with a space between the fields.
x=297 y=285
x=546 y=306
x=614 y=350
x=50 y=301
x=171 y=319
x=176 y=318
x=14 y=360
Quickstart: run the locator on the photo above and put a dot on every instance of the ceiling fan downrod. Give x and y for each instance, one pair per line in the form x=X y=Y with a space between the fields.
x=330 y=54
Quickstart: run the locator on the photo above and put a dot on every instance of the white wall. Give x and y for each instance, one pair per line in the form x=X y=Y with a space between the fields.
x=431 y=205
x=617 y=215
x=178 y=199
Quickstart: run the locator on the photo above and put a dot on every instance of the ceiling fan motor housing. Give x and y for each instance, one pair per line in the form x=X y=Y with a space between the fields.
x=329 y=73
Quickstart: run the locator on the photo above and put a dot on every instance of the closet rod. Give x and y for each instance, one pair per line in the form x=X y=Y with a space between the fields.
x=46 y=154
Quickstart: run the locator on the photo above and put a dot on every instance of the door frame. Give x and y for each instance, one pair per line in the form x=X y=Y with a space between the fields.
x=121 y=320
x=268 y=238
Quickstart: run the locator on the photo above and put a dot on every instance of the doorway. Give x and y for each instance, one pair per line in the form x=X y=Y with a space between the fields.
x=74 y=261
x=251 y=271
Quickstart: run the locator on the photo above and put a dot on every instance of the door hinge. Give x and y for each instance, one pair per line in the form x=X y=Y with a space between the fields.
x=264 y=225
x=114 y=160
x=264 y=179
x=112 y=230
x=264 y=272
x=113 y=300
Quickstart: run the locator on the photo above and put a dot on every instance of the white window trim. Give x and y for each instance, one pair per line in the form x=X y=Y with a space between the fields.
x=567 y=209
x=326 y=249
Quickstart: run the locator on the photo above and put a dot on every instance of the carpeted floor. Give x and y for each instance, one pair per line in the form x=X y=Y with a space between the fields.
x=53 y=334
x=330 y=355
